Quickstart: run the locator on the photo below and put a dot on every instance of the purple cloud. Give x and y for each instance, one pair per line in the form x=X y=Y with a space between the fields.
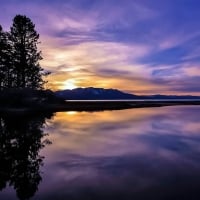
x=153 y=41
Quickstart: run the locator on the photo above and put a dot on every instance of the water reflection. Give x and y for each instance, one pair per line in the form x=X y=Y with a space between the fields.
x=150 y=153
x=20 y=142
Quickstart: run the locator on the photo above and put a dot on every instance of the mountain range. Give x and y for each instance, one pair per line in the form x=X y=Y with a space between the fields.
x=91 y=93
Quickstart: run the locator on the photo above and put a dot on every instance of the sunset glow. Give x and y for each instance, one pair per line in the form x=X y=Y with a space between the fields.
x=100 y=99
x=69 y=84
x=134 y=46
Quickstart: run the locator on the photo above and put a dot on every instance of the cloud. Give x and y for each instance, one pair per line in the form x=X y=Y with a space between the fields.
x=137 y=46
x=109 y=64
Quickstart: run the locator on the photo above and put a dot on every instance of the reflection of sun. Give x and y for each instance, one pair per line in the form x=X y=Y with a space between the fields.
x=69 y=84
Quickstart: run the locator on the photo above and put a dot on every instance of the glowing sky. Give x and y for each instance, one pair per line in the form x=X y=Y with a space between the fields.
x=139 y=46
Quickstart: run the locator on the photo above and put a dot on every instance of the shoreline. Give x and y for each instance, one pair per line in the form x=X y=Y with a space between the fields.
x=90 y=106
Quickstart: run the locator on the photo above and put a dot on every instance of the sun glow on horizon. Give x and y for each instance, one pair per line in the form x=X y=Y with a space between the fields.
x=69 y=84
x=71 y=112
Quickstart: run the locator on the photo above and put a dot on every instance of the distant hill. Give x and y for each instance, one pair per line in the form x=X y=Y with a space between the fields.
x=91 y=93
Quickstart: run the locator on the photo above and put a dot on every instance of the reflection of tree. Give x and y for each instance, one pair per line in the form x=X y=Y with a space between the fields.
x=20 y=142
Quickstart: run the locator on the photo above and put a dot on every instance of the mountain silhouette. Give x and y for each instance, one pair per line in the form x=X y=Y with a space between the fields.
x=92 y=93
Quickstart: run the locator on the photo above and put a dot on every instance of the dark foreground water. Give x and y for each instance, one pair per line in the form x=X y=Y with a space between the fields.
x=149 y=153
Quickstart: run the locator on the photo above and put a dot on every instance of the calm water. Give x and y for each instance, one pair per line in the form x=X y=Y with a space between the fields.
x=150 y=153
x=132 y=100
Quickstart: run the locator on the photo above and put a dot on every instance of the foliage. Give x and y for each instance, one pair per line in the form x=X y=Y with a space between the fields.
x=19 y=56
x=5 y=59
x=21 y=140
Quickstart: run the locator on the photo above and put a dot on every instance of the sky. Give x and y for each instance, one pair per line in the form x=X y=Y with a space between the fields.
x=137 y=46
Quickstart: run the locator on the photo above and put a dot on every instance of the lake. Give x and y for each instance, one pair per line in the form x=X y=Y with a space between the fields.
x=143 y=153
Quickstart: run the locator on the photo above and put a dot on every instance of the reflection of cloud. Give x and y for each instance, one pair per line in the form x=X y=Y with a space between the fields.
x=114 y=133
x=141 y=153
x=125 y=177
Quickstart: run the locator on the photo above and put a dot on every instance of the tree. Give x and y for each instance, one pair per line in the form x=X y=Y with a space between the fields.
x=21 y=140
x=5 y=60
x=2 y=66
x=27 y=71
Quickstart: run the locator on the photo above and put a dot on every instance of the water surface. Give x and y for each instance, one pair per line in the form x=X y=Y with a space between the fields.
x=145 y=153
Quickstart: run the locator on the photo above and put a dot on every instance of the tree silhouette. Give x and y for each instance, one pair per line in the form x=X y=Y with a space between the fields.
x=20 y=142
x=5 y=60
x=19 y=56
x=24 y=38
x=2 y=54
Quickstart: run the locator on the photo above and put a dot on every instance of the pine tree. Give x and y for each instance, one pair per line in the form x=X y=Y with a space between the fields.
x=2 y=73
x=26 y=68
x=6 y=61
